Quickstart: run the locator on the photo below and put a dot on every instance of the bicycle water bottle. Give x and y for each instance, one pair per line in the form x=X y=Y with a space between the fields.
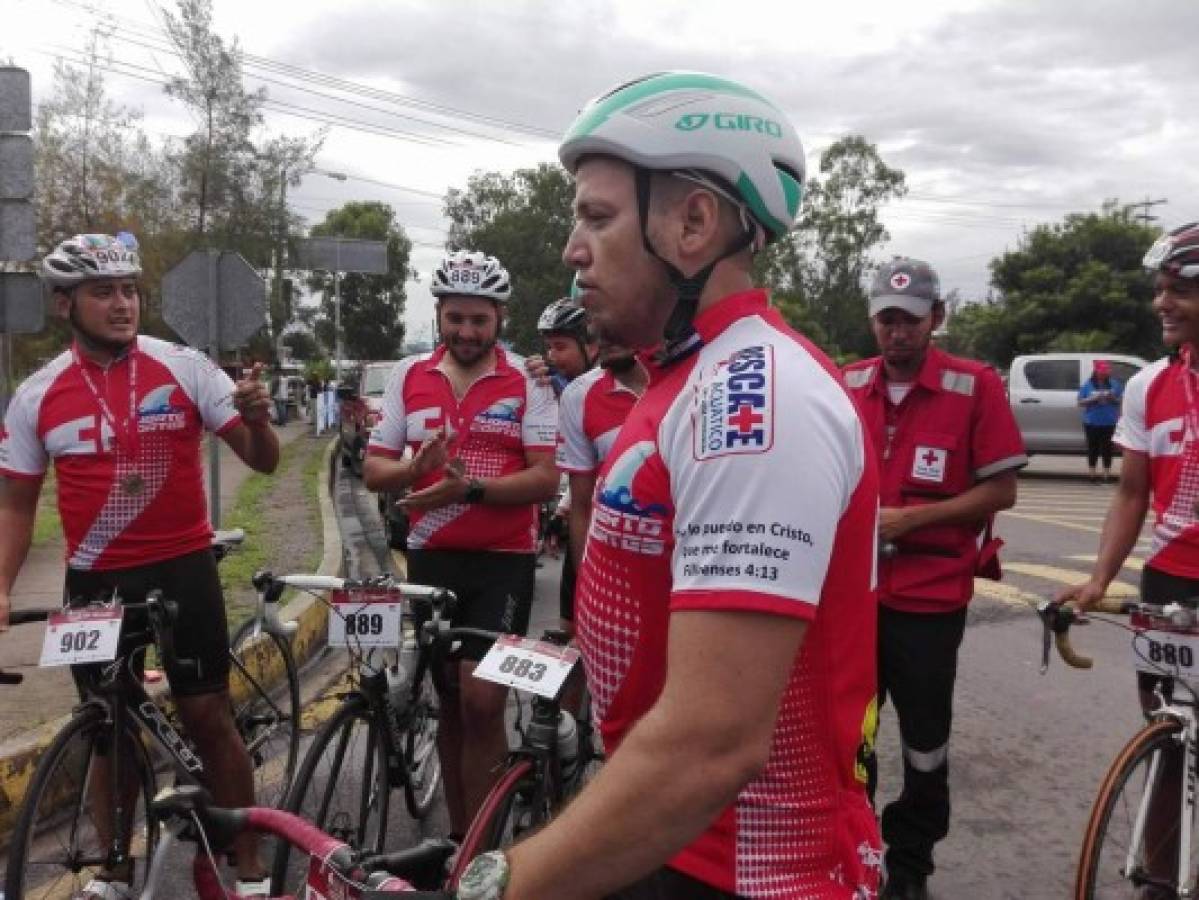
x=397 y=686
x=568 y=744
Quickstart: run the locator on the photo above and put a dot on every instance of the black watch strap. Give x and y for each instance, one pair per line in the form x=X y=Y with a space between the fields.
x=474 y=491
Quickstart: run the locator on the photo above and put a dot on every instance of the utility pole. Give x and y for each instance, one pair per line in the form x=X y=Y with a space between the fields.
x=1145 y=205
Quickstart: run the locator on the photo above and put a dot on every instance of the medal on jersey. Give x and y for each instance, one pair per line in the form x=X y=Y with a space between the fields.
x=130 y=483
x=133 y=484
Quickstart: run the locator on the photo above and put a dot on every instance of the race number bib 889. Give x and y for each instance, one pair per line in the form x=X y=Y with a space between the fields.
x=527 y=665
x=365 y=619
x=81 y=636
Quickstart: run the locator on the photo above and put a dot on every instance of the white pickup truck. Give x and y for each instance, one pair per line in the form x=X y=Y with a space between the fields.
x=1043 y=393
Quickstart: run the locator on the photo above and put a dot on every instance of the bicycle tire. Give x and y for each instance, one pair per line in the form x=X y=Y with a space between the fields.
x=55 y=829
x=1101 y=863
x=346 y=794
x=504 y=815
x=265 y=696
x=422 y=764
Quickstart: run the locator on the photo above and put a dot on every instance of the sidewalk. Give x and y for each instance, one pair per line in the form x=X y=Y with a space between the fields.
x=1072 y=467
x=48 y=693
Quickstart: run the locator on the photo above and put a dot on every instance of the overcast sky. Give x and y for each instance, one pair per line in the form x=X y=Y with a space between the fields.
x=1002 y=114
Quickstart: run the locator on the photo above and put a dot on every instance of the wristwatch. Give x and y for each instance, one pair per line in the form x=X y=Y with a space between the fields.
x=485 y=878
x=474 y=491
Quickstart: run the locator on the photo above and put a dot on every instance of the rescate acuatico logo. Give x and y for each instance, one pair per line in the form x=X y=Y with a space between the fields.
x=729 y=122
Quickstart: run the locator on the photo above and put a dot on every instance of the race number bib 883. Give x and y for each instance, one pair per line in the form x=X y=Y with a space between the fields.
x=365 y=619
x=81 y=636
x=527 y=665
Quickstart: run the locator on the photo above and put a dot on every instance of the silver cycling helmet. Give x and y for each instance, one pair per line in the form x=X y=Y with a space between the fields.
x=564 y=316
x=472 y=274
x=87 y=257
x=1176 y=253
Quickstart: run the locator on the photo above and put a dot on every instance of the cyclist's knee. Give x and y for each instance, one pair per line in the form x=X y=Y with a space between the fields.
x=206 y=716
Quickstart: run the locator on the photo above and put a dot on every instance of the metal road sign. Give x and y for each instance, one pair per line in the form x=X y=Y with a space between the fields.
x=16 y=167
x=16 y=107
x=21 y=308
x=17 y=233
x=337 y=254
x=214 y=299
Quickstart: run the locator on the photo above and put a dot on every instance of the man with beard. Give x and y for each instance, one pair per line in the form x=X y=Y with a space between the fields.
x=121 y=416
x=948 y=450
x=482 y=434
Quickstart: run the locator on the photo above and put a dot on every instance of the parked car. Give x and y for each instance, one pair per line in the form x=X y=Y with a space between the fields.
x=1043 y=393
x=360 y=401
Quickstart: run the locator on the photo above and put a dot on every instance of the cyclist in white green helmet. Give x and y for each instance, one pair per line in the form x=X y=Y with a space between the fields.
x=724 y=607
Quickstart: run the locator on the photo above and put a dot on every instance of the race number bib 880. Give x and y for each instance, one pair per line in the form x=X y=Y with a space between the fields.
x=1166 y=652
x=527 y=665
x=365 y=619
x=81 y=636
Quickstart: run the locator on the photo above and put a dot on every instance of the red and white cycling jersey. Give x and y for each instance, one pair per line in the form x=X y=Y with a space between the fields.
x=503 y=414
x=1153 y=421
x=744 y=480
x=590 y=413
x=119 y=510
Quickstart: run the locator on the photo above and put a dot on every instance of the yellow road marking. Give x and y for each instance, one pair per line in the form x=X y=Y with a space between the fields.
x=1005 y=593
x=1116 y=589
x=1049 y=520
x=1133 y=562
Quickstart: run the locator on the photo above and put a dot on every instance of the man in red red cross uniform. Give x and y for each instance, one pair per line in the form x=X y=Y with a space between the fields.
x=948 y=448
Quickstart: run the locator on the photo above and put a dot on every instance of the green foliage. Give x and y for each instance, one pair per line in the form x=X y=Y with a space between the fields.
x=372 y=306
x=302 y=345
x=819 y=270
x=1073 y=285
x=523 y=219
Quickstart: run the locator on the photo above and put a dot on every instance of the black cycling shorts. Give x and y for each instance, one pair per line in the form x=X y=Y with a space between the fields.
x=566 y=587
x=494 y=590
x=670 y=884
x=201 y=631
x=1161 y=588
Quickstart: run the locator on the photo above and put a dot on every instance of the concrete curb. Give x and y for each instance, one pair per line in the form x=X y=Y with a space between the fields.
x=19 y=756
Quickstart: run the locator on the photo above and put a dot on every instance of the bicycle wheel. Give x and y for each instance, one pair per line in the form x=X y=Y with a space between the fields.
x=55 y=847
x=265 y=693
x=342 y=788
x=1123 y=856
x=422 y=764
x=508 y=811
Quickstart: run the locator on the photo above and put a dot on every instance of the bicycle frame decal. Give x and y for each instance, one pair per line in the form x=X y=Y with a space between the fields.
x=151 y=716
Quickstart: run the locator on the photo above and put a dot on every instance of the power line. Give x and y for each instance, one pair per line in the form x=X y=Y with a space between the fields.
x=1145 y=205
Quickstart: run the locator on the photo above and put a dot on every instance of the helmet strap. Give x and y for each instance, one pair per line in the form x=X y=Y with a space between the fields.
x=680 y=337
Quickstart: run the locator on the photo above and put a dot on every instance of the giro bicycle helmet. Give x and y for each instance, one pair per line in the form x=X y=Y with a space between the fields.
x=705 y=129
x=1176 y=253
x=472 y=274
x=564 y=316
x=86 y=257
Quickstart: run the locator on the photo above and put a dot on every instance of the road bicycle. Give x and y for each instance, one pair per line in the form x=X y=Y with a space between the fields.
x=556 y=754
x=335 y=869
x=1140 y=841
x=382 y=737
x=63 y=835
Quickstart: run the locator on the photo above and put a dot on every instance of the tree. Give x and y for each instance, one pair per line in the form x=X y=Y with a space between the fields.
x=302 y=345
x=372 y=306
x=818 y=272
x=1073 y=285
x=524 y=220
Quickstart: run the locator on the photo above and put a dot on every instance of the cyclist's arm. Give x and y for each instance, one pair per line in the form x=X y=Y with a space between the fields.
x=18 y=509
x=708 y=734
x=974 y=505
x=535 y=483
x=255 y=444
x=1124 y=520
x=582 y=486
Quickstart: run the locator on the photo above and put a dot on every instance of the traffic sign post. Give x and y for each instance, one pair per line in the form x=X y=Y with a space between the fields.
x=338 y=255
x=216 y=300
x=21 y=309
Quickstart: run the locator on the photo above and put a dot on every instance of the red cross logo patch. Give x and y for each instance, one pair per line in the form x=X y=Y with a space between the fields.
x=929 y=463
x=900 y=280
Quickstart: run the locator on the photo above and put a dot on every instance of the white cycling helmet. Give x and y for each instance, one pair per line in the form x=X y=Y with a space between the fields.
x=691 y=123
x=86 y=257
x=472 y=274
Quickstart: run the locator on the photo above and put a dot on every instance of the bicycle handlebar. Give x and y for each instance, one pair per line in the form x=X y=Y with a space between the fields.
x=1057 y=618
x=263 y=581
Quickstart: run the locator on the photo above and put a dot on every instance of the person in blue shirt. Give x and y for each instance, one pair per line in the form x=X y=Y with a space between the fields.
x=1099 y=398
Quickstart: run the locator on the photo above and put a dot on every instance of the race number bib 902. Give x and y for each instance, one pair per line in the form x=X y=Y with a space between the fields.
x=527 y=665
x=1160 y=651
x=365 y=619
x=81 y=636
